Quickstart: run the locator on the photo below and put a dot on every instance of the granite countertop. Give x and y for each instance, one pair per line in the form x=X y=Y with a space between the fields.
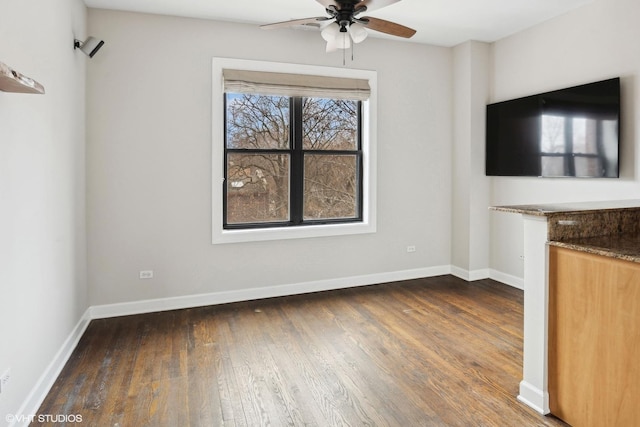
x=620 y=246
x=610 y=228
x=563 y=208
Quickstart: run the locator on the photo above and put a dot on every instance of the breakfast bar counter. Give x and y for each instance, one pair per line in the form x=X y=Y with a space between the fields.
x=602 y=228
x=609 y=229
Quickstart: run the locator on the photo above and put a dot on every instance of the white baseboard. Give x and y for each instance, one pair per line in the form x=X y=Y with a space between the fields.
x=46 y=380
x=189 y=301
x=534 y=397
x=470 y=276
x=507 y=279
x=488 y=273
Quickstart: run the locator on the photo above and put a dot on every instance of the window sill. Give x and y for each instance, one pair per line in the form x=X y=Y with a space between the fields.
x=284 y=233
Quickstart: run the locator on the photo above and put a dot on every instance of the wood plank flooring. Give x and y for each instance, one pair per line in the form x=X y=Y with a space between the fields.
x=428 y=352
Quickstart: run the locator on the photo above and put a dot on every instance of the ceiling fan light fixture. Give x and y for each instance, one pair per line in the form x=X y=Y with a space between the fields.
x=332 y=46
x=335 y=38
x=330 y=32
x=358 y=32
x=343 y=41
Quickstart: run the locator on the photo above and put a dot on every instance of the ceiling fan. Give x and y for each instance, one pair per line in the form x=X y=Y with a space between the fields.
x=343 y=19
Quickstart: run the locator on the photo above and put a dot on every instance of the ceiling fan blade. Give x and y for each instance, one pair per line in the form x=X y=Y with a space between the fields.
x=387 y=27
x=375 y=4
x=303 y=21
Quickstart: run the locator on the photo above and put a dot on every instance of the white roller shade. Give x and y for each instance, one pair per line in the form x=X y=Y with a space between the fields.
x=284 y=84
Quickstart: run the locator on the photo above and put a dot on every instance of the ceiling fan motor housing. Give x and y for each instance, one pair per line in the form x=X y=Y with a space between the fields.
x=345 y=15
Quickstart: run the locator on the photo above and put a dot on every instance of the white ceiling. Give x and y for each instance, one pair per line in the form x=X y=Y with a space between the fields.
x=439 y=22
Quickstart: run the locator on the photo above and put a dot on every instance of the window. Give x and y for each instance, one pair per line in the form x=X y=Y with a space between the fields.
x=292 y=164
x=291 y=161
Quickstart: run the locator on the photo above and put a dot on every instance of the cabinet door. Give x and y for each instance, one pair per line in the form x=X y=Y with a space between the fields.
x=594 y=339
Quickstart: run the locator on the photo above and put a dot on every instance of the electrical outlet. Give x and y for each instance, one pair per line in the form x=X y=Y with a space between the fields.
x=146 y=274
x=411 y=249
x=4 y=380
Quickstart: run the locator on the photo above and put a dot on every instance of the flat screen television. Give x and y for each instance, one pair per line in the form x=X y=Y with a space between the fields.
x=573 y=132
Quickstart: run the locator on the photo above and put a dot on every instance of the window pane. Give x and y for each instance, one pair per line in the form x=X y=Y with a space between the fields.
x=257 y=121
x=330 y=186
x=257 y=188
x=329 y=124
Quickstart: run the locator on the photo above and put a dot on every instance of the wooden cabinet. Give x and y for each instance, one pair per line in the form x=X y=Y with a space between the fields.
x=594 y=339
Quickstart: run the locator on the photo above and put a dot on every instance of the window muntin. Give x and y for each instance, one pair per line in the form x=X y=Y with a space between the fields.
x=291 y=161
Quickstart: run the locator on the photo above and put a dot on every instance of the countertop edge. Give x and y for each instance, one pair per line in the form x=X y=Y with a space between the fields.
x=551 y=209
x=609 y=253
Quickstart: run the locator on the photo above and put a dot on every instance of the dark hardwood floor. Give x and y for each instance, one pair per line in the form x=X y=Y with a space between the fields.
x=428 y=352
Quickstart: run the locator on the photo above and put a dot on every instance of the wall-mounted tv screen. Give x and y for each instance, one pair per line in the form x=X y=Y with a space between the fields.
x=573 y=132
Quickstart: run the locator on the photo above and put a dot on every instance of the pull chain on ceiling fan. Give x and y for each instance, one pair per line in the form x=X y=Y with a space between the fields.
x=343 y=24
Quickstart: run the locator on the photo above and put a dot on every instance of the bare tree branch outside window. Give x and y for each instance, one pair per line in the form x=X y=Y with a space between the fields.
x=260 y=151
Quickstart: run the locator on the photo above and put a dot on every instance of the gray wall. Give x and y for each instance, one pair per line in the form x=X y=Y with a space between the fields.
x=42 y=191
x=149 y=161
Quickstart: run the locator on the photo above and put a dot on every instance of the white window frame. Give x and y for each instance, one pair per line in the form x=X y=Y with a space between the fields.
x=368 y=223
